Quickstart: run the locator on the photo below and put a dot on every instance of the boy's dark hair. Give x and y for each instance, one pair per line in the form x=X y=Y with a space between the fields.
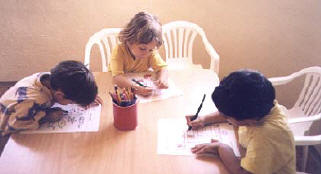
x=142 y=29
x=75 y=81
x=244 y=94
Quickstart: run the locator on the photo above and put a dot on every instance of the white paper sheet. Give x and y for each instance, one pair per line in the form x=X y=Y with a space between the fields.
x=174 y=139
x=147 y=79
x=76 y=120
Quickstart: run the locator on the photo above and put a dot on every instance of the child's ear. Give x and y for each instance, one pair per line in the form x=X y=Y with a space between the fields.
x=59 y=95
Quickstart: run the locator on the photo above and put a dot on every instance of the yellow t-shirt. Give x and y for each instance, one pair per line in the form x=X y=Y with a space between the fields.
x=270 y=147
x=122 y=62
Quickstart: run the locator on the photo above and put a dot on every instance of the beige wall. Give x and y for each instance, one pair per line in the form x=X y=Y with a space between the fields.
x=273 y=36
x=276 y=37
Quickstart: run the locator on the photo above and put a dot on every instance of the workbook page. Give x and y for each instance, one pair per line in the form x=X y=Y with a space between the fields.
x=77 y=119
x=174 y=139
x=147 y=79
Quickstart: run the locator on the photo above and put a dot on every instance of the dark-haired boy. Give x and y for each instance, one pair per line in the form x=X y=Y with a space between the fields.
x=246 y=99
x=25 y=105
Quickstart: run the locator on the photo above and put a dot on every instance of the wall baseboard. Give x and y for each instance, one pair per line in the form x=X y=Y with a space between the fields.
x=7 y=83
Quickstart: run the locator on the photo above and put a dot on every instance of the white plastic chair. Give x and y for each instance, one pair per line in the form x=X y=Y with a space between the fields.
x=307 y=108
x=178 y=39
x=106 y=39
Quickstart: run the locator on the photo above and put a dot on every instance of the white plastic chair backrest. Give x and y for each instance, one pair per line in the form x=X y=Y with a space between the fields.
x=106 y=39
x=178 y=39
x=309 y=100
x=307 y=108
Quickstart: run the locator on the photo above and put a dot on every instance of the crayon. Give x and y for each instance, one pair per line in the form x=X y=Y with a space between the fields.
x=123 y=96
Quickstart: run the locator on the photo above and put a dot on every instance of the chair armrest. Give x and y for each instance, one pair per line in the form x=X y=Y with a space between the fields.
x=304 y=119
x=215 y=58
x=307 y=140
x=286 y=79
x=280 y=80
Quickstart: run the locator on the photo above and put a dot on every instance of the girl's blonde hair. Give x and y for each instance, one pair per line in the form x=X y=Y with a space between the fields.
x=142 y=29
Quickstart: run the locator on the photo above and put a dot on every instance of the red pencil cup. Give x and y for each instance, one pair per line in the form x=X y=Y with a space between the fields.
x=125 y=118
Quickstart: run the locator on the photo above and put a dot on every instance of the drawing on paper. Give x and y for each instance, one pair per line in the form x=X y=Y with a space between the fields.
x=174 y=139
x=147 y=79
x=77 y=119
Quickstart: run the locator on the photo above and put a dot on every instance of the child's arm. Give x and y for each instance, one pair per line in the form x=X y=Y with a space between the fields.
x=215 y=117
x=162 y=78
x=52 y=115
x=123 y=82
x=202 y=121
x=23 y=116
x=225 y=152
x=96 y=102
x=160 y=66
x=231 y=162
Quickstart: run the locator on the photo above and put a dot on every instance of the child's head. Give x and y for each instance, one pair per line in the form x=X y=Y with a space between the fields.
x=142 y=34
x=244 y=95
x=72 y=82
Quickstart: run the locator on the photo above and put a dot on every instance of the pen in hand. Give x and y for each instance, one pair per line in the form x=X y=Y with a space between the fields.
x=138 y=83
x=198 y=111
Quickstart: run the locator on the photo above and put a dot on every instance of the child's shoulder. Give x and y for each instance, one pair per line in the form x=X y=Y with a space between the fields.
x=28 y=89
x=276 y=117
x=119 y=50
x=273 y=128
x=119 y=47
x=23 y=97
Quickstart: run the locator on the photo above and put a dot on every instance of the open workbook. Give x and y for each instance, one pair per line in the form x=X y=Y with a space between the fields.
x=174 y=139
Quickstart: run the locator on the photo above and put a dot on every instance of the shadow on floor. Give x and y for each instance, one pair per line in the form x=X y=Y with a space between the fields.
x=313 y=165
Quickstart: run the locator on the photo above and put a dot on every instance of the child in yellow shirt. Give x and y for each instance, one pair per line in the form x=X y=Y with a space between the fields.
x=137 y=52
x=246 y=99
x=28 y=103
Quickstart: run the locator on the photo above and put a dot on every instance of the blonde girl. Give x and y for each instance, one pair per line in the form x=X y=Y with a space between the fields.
x=140 y=40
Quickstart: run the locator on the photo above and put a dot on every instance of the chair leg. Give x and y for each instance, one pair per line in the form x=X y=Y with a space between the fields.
x=304 y=157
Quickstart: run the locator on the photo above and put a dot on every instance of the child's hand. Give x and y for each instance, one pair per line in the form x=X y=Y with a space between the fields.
x=98 y=101
x=54 y=114
x=162 y=79
x=144 y=91
x=161 y=83
x=208 y=148
x=195 y=124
